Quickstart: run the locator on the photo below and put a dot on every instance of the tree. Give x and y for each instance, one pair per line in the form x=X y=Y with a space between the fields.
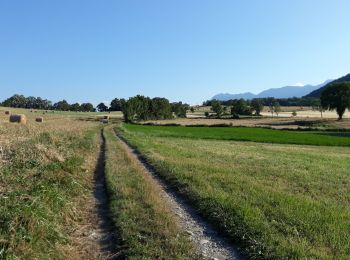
x=117 y=104
x=62 y=105
x=87 y=107
x=179 y=109
x=137 y=108
x=240 y=107
x=102 y=107
x=271 y=109
x=276 y=108
x=316 y=106
x=336 y=96
x=160 y=109
x=75 y=107
x=217 y=108
x=257 y=106
x=144 y=108
x=15 y=101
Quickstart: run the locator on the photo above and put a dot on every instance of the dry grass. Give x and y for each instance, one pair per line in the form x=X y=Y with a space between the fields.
x=276 y=122
x=45 y=184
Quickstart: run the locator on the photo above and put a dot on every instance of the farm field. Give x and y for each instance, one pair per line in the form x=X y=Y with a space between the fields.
x=286 y=112
x=277 y=200
x=50 y=113
x=45 y=185
x=52 y=205
x=245 y=134
x=270 y=122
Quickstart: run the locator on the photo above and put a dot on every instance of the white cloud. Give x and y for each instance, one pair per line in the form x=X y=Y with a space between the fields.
x=298 y=84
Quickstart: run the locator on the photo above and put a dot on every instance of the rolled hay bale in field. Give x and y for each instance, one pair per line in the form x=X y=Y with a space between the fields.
x=21 y=119
x=39 y=119
x=7 y=113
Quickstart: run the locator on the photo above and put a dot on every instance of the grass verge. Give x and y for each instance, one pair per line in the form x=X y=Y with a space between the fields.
x=242 y=134
x=143 y=221
x=278 y=201
x=44 y=181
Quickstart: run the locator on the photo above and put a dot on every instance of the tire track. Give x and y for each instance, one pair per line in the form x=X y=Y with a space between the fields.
x=208 y=242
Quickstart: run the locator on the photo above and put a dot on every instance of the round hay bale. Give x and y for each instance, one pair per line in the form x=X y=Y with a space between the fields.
x=39 y=119
x=7 y=113
x=21 y=119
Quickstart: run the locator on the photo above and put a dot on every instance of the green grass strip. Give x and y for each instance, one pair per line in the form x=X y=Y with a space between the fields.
x=244 y=134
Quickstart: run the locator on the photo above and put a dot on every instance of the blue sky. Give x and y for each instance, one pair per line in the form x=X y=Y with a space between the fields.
x=185 y=50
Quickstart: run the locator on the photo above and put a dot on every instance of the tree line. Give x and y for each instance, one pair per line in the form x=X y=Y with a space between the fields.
x=134 y=109
x=294 y=101
x=238 y=107
x=144 y=108
x=335 y=97
x=20 y=101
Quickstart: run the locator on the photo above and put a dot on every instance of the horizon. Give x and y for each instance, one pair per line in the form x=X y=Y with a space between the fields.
x=82 y=51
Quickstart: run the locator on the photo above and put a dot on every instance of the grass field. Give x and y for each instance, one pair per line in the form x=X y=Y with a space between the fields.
x=46 y=172
x=243 y=134
x=46 y=194
x=276 y=200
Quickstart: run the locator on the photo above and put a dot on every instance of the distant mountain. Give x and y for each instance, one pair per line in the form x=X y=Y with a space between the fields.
x=283 y=92
x=227 y=96
x=318 y=92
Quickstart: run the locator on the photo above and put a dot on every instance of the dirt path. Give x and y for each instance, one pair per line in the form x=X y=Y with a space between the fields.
x=97 y=235
x=209 y=243
x=103 y=232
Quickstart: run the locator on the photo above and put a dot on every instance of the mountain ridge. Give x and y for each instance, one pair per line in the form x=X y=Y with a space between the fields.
x=282 y=92
x=317 y=93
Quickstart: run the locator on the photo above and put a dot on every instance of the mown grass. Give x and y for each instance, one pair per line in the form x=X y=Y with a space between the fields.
x=44 y=181
x=278 y=201
x=144 y=223
x=242 y=134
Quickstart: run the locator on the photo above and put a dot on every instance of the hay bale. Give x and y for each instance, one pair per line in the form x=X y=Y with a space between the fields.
x=7 y=113
x=21 y=119
x=39 y=119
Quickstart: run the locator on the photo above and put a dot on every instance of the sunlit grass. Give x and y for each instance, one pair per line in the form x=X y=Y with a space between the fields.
x=46 y=171
x=277 y=200
x=242 y=134
x=144 y=223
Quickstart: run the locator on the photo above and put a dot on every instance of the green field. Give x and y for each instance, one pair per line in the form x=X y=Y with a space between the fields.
x=277 y=200
x=245 y=134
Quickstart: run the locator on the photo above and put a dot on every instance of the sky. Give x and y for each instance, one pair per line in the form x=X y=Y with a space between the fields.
x=188 y=50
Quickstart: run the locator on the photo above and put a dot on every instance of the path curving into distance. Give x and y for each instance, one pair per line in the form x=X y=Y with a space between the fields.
x=208 y=242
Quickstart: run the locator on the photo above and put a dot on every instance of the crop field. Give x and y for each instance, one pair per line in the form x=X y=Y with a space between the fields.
x=46 y=172
x=267 y=122
x=48 y=203
x=274 y=193
x=245 y=134
x=276 y=200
